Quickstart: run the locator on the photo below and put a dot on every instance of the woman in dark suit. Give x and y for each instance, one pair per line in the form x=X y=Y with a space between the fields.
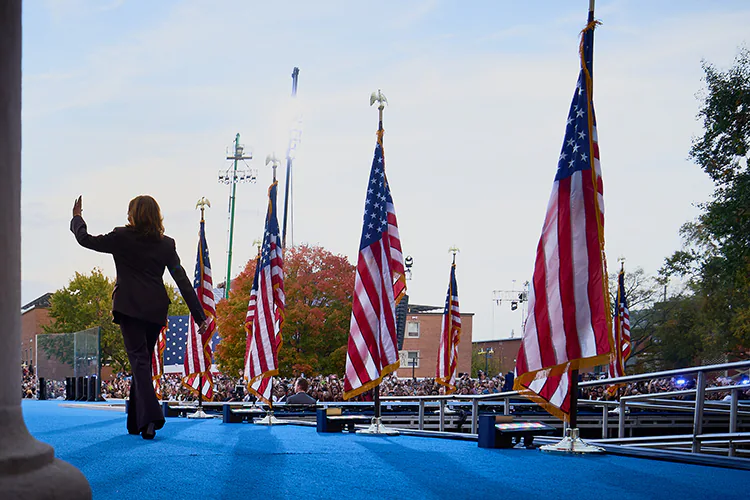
x=141 y=251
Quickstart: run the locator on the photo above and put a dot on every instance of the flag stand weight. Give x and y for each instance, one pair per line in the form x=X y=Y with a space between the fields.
x=571 y=442
x=269 y=419
x=200 y=413
x=376 y=427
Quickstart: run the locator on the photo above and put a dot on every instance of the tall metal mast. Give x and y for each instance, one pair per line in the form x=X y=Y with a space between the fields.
x=232 y=176
x=293 y=141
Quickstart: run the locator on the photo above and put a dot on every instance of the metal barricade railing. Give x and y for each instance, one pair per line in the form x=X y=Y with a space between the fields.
x=643 y=401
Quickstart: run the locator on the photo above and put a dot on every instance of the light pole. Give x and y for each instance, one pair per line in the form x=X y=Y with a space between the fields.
x=413 y=366
x=487 y=353
x=232 y=176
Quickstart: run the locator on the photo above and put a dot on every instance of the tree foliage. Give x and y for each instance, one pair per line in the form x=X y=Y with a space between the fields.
x=715 y=260
x=318 y=286
x=87 y=303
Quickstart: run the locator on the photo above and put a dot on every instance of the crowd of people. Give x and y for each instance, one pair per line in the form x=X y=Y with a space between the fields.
x=330 y=388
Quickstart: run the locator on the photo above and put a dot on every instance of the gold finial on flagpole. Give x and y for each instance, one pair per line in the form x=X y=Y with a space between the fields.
x=258 y=243
x=202 y=204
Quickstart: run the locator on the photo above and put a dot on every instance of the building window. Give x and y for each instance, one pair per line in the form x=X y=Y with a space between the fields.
x=412 y=359
x=412 y=329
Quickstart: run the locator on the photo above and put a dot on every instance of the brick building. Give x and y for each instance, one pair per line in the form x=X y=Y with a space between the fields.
x=499 y=355
x=422 y=341
x=34 y=316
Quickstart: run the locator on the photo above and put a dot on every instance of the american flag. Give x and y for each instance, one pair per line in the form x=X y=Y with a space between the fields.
x=568 y=323
x=174 y=344
x=450 y=336
x=379 y=285
x=620 y=330
x=265 y=310
x=197 y=360
x=157 y=361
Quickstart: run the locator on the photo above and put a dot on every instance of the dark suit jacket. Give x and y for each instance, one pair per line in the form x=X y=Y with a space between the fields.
x=140 y=262
x=300 y=398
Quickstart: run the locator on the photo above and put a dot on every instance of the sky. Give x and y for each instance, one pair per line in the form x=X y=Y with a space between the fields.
x=122 y=98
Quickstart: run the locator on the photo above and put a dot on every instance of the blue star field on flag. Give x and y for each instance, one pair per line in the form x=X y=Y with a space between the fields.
x=576 y=149
x=376 y=202
x=174 y=351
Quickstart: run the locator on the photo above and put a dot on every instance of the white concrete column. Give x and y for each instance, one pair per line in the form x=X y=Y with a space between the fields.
x=28 y=468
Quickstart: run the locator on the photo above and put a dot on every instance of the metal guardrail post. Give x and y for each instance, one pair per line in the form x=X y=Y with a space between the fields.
x=506 y=407
x=621 y=419
x=605 y=422
x=474 y=415
x=733 y=417
x=442 y=415
x=700 y=398
x=421 y=414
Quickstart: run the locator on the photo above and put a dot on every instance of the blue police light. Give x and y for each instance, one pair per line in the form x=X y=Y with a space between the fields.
x=680 y=381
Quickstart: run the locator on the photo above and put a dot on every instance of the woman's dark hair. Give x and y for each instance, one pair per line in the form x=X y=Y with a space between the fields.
x=144 y=215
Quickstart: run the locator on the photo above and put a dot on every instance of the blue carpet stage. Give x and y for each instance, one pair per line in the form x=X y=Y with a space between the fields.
x=207 y=459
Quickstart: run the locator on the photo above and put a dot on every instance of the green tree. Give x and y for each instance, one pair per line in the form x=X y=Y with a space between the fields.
x=318 y=286
x=86 y=303
x=177 y=307
x=715 y=260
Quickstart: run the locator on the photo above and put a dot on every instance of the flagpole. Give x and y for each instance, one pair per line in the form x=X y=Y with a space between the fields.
x=574 y=373
x=571 y=442
x=376 y=427
x=269 y=419
x=199 y=413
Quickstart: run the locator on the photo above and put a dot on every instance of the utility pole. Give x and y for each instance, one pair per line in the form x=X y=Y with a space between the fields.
x=232 y=176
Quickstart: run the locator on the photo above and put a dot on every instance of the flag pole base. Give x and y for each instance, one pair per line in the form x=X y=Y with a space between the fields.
x=199 y=414
x=378 y=429
x=571 y=443
x=269 y=419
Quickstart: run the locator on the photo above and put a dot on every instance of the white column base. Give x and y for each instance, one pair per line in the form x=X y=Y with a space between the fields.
x=29 y=469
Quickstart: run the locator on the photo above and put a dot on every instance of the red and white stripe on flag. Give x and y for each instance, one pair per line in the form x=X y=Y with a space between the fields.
x=197 y=362
x=450 y=336
x=265 y=310
x=568 y=326
x=157 y=361
x=379 y=285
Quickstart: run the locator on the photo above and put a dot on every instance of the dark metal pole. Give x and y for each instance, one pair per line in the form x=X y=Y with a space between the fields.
x=376 y=400
x=200 y=391
x=288 y=182
x=573 y=399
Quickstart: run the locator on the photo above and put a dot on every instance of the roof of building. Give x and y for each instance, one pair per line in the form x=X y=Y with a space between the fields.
x=424 y=309
x=495 y=340
x=39 y=302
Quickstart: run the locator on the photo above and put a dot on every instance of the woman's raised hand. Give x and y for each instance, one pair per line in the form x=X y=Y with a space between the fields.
x=77 y=206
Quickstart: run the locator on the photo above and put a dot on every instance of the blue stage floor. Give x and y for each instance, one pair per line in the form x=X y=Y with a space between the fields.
x=206 y=459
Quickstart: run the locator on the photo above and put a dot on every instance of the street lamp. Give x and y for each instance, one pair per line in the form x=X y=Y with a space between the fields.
x=487 y=353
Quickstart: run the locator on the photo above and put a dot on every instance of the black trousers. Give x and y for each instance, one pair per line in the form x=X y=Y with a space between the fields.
x=140 y=340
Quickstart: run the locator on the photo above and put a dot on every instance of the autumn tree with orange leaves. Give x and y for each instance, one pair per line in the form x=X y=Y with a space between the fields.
x=318 y=287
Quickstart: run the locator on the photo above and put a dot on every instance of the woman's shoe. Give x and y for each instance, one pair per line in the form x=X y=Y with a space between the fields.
x=149 y=431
